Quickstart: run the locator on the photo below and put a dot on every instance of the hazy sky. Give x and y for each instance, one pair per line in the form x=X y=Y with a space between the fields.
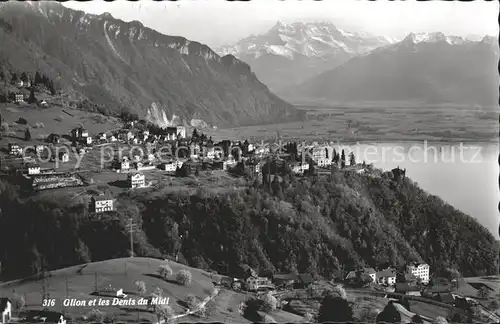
x=216 y=22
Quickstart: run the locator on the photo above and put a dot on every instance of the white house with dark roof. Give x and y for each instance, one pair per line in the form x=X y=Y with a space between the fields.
x=6 y=309
x=386 y=277
x=33 y=169
x=136 y=180
x=420 y=271
x=103 y=203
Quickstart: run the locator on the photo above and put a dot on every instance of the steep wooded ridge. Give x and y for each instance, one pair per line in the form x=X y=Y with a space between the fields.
x=124 y=64
x=289 y=54
x=431 y=68
x=305 y=224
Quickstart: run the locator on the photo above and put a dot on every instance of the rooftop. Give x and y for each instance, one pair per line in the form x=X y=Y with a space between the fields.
x=386 y=273
x=102 y=197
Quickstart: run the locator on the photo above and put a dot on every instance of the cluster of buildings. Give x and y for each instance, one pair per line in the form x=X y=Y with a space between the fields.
x=249 y=280
x=413 y=272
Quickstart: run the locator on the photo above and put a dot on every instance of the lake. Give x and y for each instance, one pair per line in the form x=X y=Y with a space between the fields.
x=464 y=176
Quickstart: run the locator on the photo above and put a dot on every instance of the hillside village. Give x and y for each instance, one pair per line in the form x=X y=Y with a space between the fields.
x=140 y=155
x=138 y=152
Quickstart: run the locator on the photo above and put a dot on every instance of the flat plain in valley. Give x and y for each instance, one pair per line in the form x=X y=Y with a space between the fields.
x=379 y=122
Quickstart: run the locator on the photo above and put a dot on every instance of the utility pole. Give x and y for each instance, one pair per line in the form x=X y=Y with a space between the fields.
x=131 y=227
x=67 y=287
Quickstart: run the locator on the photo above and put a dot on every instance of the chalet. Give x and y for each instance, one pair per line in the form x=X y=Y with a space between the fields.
x=27 y=84
x=419 y=270
x=79 y=133
x=254 y=283
x=81 y=150
x=19 y=97
x=171 y=134
x=125 y=135
x=63 y=157
x=44 y=103
x=262 y=150
x=371 y=273
x=19 y=83
x=181 y=132
x=6 y=309
x=284 y=279
x=103 y=203
x=33 y=169
x=386 y=277
x=319 y=153
x=136 y=180
x=324 y=162
x=101 y=136
x=112 y=138
x=124 y=165
x=151 y=157
x=15 y=149
x=88 y=140
x=169 y=166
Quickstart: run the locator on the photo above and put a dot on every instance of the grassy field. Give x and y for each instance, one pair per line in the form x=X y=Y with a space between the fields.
x=468 y=287
x=379 y=123
x=54 y=120
x=81 y=283
x=117 y=273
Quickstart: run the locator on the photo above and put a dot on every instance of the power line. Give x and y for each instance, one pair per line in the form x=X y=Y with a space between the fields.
x=131 y=228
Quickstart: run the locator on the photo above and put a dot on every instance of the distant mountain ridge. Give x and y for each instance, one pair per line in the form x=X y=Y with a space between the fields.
x=119 y=64
x=426 y=67
x=291 y=53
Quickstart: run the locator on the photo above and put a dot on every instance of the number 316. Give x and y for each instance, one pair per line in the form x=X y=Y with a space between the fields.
x=49 y=302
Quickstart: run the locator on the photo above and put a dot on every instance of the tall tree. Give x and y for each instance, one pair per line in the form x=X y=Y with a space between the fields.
x=51 y=88
x=38 y=78
x=352 y=159
x=32 y=98
x=14 y=77
x=342 y=159
x=27 y=134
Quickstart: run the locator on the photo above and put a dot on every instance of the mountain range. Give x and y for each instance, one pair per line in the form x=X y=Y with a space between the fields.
x=427 y=67
x=124 y=65
x=289 y=54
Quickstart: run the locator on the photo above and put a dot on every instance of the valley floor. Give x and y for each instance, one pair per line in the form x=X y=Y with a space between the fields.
x=377 y=123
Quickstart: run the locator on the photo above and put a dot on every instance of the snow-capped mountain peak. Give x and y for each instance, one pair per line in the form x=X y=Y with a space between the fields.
x=436 y=37
x=309 y=39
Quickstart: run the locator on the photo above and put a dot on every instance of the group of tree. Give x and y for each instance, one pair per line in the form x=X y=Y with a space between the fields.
x=323 y=227
x=38 y=80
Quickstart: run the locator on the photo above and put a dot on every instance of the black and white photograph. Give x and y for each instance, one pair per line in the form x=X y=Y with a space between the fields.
x=261 y=161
